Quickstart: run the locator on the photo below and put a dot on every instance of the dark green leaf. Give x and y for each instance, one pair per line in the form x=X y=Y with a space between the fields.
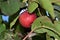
x=32 y=6
x=46 y=4
x=0 y=18
x=1 y=0
x=2 y=27
x=2 y=35
x=37 y=11
x=13 y=22
x=39 y=36
x=21 y=0
x=14 y=16
x=10 y=7
x=16 y=37
x=50 y=33
x=20 y=29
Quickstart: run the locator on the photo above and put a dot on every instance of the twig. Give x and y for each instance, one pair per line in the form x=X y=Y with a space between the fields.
x=29 y=33
x=20 y=35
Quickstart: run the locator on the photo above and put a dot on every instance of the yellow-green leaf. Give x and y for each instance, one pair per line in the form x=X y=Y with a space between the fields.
x=13 y=22
x=57 y=25
x=24 y=0
x=46 y=4
x=32 y=6
x=55 y=1
x=58 y=3
x=2 y=27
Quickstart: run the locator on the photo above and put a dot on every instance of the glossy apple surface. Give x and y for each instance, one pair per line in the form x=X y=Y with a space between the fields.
x=26 y=19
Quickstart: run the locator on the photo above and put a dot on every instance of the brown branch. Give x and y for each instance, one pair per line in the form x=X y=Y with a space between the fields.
x=29 y=33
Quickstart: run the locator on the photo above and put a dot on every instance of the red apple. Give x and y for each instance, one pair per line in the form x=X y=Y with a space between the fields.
x=27 y=19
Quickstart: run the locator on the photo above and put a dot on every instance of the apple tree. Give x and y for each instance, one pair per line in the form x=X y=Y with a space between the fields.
x=29 y=19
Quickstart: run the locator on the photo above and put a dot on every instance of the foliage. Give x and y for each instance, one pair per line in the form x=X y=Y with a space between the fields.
x=44 y=27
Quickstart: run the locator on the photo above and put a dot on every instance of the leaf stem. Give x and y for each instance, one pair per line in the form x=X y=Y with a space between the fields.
x=39 y=12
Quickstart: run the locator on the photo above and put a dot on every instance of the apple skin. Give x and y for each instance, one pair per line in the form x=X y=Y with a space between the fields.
x=26 y=19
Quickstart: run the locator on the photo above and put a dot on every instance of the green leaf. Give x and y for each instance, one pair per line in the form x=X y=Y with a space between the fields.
x=48 y=37
x=52 y=26
x=13 y=22
x=0 y=19
x=2 y=35
x=16 y=37
x=46 y=4
x=8 y=36
x=2 y=27
x=19 y=29
x=32 y=6
x=1 y=0
x=10 y=7
x=58 y=3
x=24 y=0
x=45 y=21
x=50 y=33
x=22 y=4
x=35 y=25
x=21 y=0
x=55 y=1
x=34 y=1
x=41 y=21
x=57 y=26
